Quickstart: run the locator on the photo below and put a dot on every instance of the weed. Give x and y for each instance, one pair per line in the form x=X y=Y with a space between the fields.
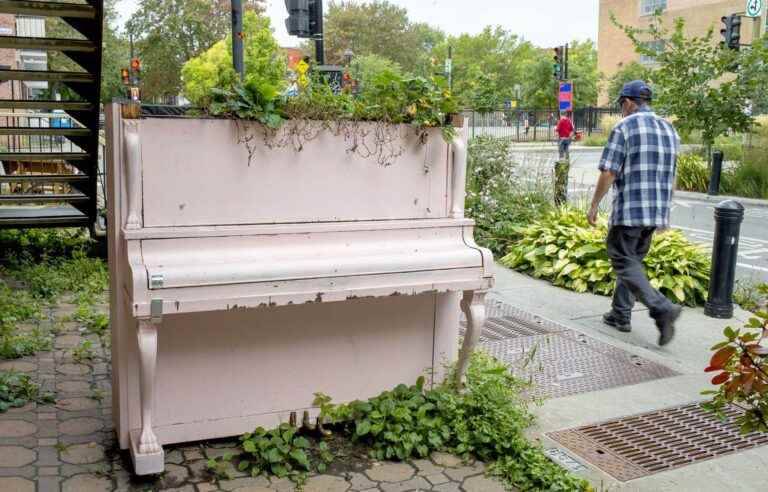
x=16 y=390
x=84 y=352
x=97 y=394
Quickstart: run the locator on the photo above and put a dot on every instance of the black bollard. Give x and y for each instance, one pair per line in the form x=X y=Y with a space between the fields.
x=715 y=172
x=728 y=217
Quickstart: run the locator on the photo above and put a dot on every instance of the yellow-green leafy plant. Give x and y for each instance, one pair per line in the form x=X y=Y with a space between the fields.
x=563 y=248
x=692 y=173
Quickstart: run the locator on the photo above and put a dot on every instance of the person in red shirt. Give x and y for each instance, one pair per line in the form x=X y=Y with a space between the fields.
x=565 y=132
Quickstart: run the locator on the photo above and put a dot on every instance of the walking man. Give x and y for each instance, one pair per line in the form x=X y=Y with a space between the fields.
x=564 y=131
x=639 y=161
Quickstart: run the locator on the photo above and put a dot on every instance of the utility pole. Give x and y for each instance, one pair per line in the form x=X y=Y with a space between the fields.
x=565 y=63
x=237 y=37
x=317 y=17
x=449 y=67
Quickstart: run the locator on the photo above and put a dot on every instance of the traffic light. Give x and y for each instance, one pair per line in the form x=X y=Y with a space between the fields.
x=304 y=18
x=731 y=32
x=559 y=61
x=125 y=74
x=135 y=65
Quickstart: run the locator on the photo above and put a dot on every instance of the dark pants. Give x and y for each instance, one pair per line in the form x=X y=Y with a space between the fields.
x=627 y=246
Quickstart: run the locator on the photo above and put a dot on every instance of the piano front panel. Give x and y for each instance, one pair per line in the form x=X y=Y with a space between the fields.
x=194 y=173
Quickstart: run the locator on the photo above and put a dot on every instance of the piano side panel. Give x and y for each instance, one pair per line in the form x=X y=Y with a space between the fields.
x=196 y=173
x=221 y=374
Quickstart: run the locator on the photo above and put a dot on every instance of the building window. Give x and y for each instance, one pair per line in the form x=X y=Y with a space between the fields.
x=656 y=47
x=649 y=7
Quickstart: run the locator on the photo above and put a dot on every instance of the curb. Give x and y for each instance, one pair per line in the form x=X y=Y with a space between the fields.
x=703 y=197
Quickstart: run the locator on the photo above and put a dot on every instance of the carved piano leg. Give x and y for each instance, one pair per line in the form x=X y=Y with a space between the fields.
x=147 y=454
x=473 y=305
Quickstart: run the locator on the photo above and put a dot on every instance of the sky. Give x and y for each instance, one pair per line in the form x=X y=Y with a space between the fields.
x=545 y=23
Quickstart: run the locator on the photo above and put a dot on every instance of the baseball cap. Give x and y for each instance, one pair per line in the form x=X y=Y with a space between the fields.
x=637 y=89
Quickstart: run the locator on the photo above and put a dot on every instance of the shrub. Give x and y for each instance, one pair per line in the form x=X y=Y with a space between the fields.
x=596 y=140
x=40 y=245
x=500 y=196
x=487 y=421
x=264 y=63
x=564 y=249
x=749 y=178
x=692 y=173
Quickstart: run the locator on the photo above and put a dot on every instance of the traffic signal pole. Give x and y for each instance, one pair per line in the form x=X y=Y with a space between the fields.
x=319 y=41
x=237 y=37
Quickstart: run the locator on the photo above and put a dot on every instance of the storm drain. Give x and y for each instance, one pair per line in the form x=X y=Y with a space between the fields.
x=641 y=445
x=559 y=361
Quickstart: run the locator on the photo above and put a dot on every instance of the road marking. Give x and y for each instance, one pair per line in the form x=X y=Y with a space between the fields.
x=691 y=229
x=752 y=267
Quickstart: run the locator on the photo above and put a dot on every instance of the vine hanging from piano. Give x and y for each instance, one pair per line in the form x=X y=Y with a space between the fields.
x=371 y=113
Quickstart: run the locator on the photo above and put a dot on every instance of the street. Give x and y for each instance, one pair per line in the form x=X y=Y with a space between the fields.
x=695 y=217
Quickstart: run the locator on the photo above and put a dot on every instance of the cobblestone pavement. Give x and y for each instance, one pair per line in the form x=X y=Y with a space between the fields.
x=71 y=447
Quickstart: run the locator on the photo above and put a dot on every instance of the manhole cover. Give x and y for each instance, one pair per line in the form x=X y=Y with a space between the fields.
x=559 y=361
x=641 y=445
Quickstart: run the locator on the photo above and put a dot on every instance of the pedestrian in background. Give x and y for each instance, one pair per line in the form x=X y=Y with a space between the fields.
x=639 y=162
x=565 y=132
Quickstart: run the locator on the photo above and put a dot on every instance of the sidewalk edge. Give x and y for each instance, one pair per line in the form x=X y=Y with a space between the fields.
x=754 y=202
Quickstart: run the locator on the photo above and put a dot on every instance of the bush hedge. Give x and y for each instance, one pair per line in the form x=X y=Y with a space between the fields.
x=563 y=248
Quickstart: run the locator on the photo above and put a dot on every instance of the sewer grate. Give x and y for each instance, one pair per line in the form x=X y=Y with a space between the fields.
x=568 y=363
x=641 y=445
x=504 y=321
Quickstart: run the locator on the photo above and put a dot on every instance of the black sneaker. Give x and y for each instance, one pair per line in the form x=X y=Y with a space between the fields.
x=666 y=325
x=611 y=319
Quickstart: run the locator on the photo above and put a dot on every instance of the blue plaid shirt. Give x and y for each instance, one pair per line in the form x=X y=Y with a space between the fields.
x=642 y=154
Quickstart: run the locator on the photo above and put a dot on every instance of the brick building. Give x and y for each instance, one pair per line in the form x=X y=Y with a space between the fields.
x=615 y=49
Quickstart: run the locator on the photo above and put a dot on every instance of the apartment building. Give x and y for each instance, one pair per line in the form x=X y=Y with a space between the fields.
x=615 y=49
x=20 y=25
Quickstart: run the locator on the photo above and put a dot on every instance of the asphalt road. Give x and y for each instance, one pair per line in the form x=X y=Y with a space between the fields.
x=695 y=217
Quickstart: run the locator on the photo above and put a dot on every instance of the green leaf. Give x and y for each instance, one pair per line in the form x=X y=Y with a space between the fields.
x=363 y=428
x=300 y=457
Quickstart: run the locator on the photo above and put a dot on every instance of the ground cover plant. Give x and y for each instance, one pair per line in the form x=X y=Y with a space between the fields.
x=16 y=390
x=486 y=420
x=564 y=249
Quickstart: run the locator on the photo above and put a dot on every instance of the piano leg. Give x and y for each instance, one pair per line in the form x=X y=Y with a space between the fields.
x=146 y=452
x=473 y=305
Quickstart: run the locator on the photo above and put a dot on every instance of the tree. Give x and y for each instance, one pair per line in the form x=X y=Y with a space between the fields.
x=582 y=70
x=706 y=87
x=627 y=73
x=170 y=32
x=378 y=28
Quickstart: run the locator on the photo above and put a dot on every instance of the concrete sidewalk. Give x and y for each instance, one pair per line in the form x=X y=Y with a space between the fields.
x=688 y=354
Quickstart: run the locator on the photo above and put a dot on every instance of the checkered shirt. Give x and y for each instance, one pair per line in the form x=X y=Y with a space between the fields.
x=642 y=154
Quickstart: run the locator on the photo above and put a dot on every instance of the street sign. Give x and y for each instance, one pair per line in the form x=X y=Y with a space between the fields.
x=754 y=8
x=566 y=96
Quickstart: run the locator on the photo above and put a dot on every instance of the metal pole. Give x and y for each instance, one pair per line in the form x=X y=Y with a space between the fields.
x=449 y=67
x=728 y=217
x=319 y=42
x=714 y=176
x=237 y=37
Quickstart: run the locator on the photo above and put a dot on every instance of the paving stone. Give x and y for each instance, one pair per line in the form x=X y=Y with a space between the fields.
x=73 y=369
x=282 y=484
x=359 y=481
x=254 y=489
x=174 y=457
x=77 y=404
x=482 y=483
x=417 y=483
x=48 y=441
x=86 y=483
x=18 y=366
x=48 y=471
x=16 y=456
x=426 y=467
x=25 y=409
x=326 y=483
x=390 y=472
x=16 y=484
x=239 y=483
x=46 y=416
x=47 y=428
x=193 y=454
x=67 y=341
x=48 y=484
x=81 y=454
x=80 y=426
x=198 y=469
x=174 y=475
x=26 y=327
x=73 y=387
x=207 y=487
x=447 y=487
x=446 y=460
x=462 y=472
x=437 y=478
x=218 y=452
x=185 y=488
x=16 y=428
x=47 y=456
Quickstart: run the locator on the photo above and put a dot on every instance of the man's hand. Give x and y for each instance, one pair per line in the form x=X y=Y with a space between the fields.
x=592 y=215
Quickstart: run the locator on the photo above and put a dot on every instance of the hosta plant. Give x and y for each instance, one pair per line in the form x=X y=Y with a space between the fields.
x=741 y=364
x=563 y=248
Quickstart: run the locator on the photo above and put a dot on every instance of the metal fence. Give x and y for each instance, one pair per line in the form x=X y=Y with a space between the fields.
x=37 y=143
x=533 y=125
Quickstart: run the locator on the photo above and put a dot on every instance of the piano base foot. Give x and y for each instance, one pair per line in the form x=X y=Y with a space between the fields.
x=473 y=306
x=146 y=463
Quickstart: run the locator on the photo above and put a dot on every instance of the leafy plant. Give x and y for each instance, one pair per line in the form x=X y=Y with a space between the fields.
x=96 y=323
x=220 y=467
x=16 y=345
x=563 y=248
x=692 y=173
x=741 y=361
x=16 y=390
x=83 y=352
x=280 y=452
x=751 y=296
x=487 y=420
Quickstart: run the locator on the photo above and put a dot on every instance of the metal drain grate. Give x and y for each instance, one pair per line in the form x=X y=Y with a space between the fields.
x=505 y=321
x=568 y=362
x=641 y=445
